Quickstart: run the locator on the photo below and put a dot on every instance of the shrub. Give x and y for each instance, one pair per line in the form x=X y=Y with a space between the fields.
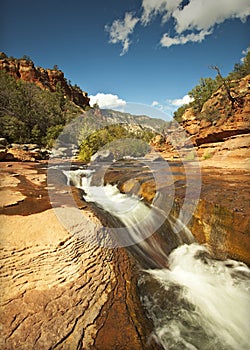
x=207 y=156
x=117 y=139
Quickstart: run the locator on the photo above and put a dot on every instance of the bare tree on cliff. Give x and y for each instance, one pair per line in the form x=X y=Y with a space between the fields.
x=227 y=87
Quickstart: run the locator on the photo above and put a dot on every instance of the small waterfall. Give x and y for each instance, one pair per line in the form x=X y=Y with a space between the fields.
x=139 y=226
x=198 y=302
x=194 y=301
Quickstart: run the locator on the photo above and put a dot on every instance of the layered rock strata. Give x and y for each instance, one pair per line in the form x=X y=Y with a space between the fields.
x=219 y=133
x=59 y=291
x=48 y=79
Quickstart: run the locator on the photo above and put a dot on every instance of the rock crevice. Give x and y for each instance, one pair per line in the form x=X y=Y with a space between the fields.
x=59 y=291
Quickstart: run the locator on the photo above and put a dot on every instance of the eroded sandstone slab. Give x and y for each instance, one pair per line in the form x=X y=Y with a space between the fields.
x=58 y=290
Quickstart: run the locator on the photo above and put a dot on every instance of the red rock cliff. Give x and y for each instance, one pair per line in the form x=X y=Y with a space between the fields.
x=48 y=79
x=219 y=131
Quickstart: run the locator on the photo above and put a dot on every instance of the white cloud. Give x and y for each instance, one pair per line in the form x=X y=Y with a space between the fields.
x=120 y=30
x=165 y=107
x=106 y=100
x=151 y=8
x=193 y=22
x=181 y=101
x=167 y=41
x=201 y=16
x=155 y=103
x=204 y=14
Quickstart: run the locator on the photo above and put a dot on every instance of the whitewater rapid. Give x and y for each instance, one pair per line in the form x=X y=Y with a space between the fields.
x=197 y=302
x=204 y=303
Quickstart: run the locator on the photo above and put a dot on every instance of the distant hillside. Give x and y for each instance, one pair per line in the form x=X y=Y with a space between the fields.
x=157 y=125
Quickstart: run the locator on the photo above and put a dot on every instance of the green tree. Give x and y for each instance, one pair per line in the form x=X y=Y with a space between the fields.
x=241 y=69
x=27 y=112
x=118 y=140
x=52 y=134
x=96 y=106
x=26 y=57
x=202 y=92
x=3 y=55
x=179 y=113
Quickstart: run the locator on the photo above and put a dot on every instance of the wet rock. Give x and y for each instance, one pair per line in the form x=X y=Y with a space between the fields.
x=10 y=157
x=3 y=153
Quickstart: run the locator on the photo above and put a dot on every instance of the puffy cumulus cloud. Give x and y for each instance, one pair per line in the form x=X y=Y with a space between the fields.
x=200 y=17
x=151 y=8
x=167 y=41
x=181 y=101
x=120 y=30
x=159 y=106
x=170 y=106
x=155 y=104
x=204 y=14
x=194 y=19
x=106 y=100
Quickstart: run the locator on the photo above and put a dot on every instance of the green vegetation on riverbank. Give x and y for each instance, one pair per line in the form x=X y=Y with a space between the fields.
x=29 y=114
x=118 y=140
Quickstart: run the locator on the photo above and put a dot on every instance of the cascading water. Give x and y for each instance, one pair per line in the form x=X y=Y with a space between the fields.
x=197 y=302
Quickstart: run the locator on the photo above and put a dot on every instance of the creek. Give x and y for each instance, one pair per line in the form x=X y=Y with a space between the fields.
x=195 y=300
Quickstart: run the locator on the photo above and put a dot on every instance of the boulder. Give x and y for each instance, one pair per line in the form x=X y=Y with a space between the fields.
x=3 y=153
x=32 y=147
x=3 y=142
x=19 y=146
x=9 y=156
x=102 y=156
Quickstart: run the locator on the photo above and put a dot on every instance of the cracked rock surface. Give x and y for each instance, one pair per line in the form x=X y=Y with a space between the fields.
x=58 y=291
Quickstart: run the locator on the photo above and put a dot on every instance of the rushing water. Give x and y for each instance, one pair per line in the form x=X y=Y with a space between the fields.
x=197 y=302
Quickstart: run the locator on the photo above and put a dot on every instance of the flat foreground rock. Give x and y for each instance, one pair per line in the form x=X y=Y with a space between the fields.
x=58 y=291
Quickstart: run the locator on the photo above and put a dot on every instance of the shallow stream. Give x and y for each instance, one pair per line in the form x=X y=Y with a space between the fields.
x=194 y=300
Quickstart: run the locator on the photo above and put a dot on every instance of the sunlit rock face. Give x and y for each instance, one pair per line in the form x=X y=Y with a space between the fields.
x=219 y=120
x=222 y=216
x=48 y=79
x=219 y=132
x=225 y=231
x=57 y=289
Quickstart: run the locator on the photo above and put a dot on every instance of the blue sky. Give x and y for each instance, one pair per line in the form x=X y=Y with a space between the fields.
x=123 y=53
